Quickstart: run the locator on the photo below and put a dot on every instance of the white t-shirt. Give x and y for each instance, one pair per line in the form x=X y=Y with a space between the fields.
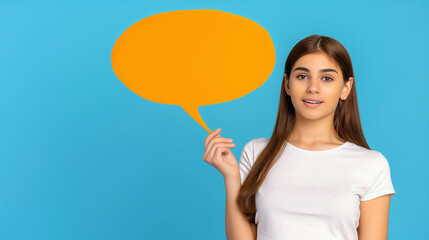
x=315 y=194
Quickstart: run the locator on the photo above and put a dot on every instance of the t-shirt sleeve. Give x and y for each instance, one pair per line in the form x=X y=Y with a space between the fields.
x=246 y=160
x=381 y=182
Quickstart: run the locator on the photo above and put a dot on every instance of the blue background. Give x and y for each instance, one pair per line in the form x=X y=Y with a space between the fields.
x=83 y=157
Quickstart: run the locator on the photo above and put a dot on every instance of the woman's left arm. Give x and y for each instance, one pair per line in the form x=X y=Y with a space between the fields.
x=374 y=218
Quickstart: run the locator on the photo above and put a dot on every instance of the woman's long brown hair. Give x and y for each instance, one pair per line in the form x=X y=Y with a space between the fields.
x=346 y=119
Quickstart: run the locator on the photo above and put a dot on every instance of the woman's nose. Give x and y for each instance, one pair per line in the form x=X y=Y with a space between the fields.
x=313 y=86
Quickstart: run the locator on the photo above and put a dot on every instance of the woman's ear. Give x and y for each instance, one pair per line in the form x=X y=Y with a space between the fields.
x=286 y=84
x=347 y=88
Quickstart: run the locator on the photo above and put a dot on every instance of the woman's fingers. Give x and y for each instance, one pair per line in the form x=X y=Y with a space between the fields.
x=218 y=154
x=210 y=136
x=209 y=145
x=216 y=150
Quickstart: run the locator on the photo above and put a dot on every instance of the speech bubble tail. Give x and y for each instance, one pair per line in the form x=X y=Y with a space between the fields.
x=193 y=112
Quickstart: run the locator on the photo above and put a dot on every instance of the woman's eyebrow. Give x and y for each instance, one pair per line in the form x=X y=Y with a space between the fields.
x=321 y=71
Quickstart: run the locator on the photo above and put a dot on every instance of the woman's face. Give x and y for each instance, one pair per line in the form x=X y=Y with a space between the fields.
x=317 y=77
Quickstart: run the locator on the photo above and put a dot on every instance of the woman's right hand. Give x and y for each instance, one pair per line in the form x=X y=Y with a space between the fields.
x=218 y=155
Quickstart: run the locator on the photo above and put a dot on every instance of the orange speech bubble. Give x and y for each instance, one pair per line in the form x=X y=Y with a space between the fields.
x=193 y=58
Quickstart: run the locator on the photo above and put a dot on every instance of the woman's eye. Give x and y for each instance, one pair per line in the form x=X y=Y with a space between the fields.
x=299 y=76
x=329 y=79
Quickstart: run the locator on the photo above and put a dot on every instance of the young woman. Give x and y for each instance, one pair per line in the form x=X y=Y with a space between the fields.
x=315 y=177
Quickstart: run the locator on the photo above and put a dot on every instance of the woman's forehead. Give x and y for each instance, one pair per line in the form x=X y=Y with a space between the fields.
x=315 y=62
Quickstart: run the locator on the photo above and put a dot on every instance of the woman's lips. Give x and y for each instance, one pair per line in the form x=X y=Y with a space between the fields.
x=311 y=105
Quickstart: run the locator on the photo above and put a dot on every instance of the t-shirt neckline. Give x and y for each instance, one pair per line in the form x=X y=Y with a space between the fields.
x=317 y=151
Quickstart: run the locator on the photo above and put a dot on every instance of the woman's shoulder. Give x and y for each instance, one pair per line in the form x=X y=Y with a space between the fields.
x=365 y=156
x=260 y=141
x=254 y=147
x=357 y=149
x=257 y=143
